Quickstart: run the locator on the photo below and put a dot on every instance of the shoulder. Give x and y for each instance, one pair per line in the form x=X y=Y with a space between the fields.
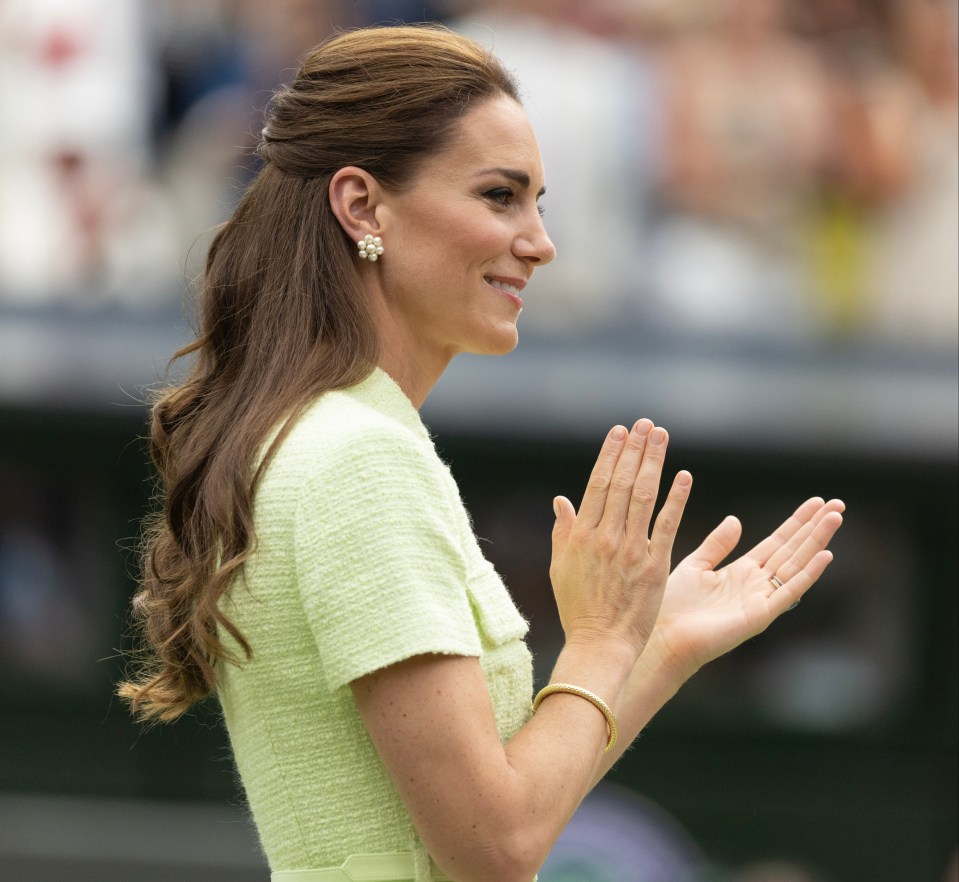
x=342 y=427
x=352 y=442
x=341 y=419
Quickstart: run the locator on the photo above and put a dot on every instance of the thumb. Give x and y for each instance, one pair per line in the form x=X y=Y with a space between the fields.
x=565 y=517
x=717 y=546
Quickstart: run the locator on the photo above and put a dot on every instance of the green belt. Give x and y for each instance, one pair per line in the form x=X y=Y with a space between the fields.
x=362 y=868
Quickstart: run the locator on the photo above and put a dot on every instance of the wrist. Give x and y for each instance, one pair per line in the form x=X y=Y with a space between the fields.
x=660 y=662
x=601 y=666
x=577 y=691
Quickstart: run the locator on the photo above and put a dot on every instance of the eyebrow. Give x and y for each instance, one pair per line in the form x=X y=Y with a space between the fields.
x=520 y=177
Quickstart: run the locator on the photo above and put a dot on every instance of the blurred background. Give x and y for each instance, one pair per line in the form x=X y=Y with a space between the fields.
x=755 y=207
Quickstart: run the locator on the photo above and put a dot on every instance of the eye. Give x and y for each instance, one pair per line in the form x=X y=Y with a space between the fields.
x=501 y=195
x=504 y=196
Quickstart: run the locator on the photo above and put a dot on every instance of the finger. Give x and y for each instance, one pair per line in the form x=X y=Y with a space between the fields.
x=645 y=491
x=775 y=562
x=791 y=593
x=565 y=517
x=624 y=478
x=669 y=517
x=772 y=543
x=597 y=488
x=717 y=546
x=816 y=541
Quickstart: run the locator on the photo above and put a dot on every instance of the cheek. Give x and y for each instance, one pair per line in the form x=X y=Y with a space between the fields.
x=465 y=234
x=448 y=239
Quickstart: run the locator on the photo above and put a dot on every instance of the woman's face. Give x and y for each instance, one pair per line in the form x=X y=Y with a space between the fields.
x=463 y=240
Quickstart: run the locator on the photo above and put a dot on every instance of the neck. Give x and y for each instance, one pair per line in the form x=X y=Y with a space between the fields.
x=413 y=368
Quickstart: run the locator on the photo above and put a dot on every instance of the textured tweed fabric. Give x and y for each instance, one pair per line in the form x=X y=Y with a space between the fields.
x=365 y=557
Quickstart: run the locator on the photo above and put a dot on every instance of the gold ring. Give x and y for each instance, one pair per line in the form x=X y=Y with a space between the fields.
x=777 y=582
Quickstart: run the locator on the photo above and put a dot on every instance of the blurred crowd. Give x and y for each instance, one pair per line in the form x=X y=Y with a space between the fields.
x=778 y=168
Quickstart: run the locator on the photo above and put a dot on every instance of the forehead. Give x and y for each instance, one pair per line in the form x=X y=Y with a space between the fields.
x=495 y=134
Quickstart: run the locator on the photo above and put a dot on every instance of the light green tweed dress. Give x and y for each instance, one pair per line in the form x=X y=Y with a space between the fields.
x=365 y=557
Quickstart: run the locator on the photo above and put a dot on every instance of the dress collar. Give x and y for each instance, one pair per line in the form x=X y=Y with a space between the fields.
x=380 y=391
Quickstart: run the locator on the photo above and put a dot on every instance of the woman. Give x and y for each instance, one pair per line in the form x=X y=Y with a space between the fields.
x=313 y=563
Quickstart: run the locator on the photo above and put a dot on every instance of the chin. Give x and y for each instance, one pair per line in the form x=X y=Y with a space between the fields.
x=500 y=344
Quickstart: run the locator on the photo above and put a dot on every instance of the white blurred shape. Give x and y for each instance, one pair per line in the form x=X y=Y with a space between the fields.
x=72 y=72
x=75 y=152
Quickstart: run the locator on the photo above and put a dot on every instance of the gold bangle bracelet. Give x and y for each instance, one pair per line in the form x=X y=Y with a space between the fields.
x=592 y=698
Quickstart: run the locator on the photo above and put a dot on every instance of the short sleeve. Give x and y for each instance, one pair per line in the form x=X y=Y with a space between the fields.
x=379 y=567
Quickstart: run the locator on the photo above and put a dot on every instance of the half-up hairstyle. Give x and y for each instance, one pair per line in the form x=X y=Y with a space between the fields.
x=282 y=319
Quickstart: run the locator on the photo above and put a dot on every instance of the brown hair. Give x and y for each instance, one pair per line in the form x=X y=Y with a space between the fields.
x=282 y=319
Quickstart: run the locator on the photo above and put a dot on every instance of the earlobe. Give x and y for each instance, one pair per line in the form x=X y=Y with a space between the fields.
x=355 y=196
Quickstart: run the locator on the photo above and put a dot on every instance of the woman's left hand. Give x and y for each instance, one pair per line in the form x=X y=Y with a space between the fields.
x=708 y=611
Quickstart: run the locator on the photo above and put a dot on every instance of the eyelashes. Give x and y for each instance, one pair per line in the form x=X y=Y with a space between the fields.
x=504 y=197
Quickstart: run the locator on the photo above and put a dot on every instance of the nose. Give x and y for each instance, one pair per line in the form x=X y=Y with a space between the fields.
x=534 y=245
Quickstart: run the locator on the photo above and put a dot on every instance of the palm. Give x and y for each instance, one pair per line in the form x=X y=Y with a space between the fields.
x=707 y=611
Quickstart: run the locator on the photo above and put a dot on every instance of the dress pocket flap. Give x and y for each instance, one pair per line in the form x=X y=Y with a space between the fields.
x=497 y=617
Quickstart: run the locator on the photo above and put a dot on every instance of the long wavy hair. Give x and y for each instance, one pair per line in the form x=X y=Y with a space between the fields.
x=282 y=318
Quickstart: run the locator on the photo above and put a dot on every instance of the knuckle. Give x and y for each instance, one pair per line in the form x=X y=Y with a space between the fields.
x=621 y=483
x=655 y=453
x=643 y=495
x=606 y=543
x=599 y=482
x=667 y=523
x=578 y=537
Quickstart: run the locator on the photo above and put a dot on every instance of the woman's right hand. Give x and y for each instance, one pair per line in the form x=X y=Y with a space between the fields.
x=608 y=571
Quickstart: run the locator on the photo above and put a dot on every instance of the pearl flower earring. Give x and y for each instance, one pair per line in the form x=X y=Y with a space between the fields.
x=371 y=247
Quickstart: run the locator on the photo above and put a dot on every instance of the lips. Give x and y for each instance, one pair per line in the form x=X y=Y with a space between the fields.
x=509 y=288
x=504 y=286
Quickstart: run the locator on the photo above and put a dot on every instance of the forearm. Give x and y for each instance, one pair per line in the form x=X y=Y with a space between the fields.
x=567 y=732
x=504 y=823
x=484 y=809
x=550 y=764
x=652 y=682
x=603 y=672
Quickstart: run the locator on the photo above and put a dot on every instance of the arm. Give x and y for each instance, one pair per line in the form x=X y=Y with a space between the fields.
x=491 y=811
x=485 y=810
x=432 y=720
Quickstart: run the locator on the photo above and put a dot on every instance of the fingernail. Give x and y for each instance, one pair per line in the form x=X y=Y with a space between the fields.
x=643 y=426
x=618 y=433
x=684 y=479
x=556 y=508
x=658 y=436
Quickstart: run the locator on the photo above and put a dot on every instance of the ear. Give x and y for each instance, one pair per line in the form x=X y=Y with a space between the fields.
x=355 y=197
